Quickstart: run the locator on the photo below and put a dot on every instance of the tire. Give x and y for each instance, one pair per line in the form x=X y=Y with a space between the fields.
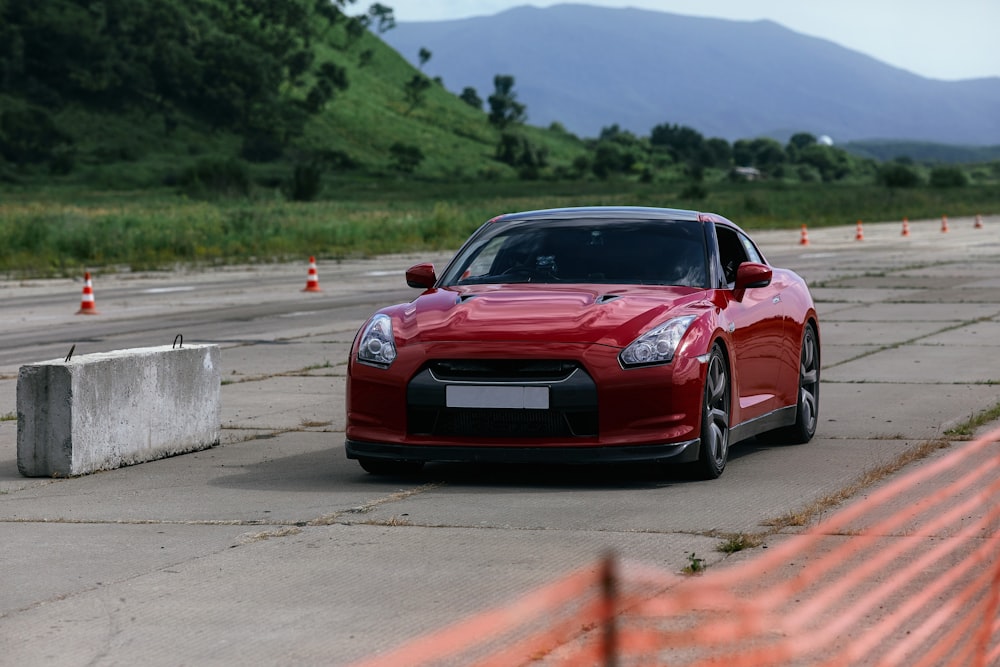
x=390 y=466
x=714 y=450
x=807 y=406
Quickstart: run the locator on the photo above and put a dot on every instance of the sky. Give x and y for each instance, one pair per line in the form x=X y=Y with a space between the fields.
x=938 y=39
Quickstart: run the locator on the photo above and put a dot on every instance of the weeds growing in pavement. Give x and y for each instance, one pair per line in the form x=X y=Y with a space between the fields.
x=968 y=428
x=695 y=564
x=739 y=542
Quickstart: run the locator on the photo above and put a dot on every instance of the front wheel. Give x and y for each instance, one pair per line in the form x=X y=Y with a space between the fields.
x=714 y=452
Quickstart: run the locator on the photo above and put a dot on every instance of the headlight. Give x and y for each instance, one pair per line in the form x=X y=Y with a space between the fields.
x=656 y=346
x=377 y=344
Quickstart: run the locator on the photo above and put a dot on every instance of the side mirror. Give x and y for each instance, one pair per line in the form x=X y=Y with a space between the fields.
x=421 y=275
x=751 y=274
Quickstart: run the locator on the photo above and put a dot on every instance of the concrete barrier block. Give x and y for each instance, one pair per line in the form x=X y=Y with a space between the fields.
x=107 y=410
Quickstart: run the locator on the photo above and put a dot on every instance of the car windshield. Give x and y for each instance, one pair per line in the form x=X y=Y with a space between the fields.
x=643 y=252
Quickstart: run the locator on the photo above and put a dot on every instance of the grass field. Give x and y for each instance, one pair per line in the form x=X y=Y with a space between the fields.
x=61 y=232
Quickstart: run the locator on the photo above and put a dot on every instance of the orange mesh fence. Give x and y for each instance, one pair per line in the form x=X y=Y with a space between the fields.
x=910 y=575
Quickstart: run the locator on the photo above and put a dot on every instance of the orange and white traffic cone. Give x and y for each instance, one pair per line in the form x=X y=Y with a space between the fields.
x=859 y=235
x=979 y=222
x=944 y=224
x=87 y=305
x=805 y=236
x=906 y=227
x=312 y=281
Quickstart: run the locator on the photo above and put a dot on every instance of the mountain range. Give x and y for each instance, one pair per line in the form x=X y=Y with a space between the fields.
x=589 y=68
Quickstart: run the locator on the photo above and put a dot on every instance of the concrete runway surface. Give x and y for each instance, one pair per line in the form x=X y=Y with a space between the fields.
x=273 y=548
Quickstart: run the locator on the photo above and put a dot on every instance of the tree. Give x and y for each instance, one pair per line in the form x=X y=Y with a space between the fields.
x=383 y=15
x=617 y=135
x=610 y=158
x=416 y=91
x=768 y=153
x=831 y=163
x=471 y=97
x=897 y=175
x=742 y=153
x=329 y=79
x=717 y=153
x=405 y=157
x=763 y=153
x=505 y=110
x=518 y=151
x=246 y=65
x=798 y=143
x=424 y=56
x=29 y=136
x=802 y=140
x=618 y=151
x=355 y=29
x=684 y=143
x=948 y=177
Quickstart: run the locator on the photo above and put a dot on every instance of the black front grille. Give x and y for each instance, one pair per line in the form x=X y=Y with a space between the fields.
x=572 y=411
x=503 y=370
x=502 y=423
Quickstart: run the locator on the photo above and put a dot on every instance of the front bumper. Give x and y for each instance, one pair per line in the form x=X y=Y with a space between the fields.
x=615 y=409
x=676 y=452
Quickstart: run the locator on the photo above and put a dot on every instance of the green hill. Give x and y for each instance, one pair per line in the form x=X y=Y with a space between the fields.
x=146 y=133
x=918 y=151
x=114 y=120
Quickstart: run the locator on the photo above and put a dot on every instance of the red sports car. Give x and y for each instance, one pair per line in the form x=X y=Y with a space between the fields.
x=587 y=335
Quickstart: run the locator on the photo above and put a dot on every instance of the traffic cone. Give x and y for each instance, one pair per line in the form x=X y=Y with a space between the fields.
x=312 y=281
x=979 y=222
x=944 y=224
x=805 y=236
x=906 y=227
x=860 y=234
x=87 y=305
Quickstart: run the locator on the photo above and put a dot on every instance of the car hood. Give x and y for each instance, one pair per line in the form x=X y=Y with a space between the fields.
x=603 y=314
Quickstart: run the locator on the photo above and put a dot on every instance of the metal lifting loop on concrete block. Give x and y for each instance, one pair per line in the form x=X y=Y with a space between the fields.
x=178 y=337
x=70 y=355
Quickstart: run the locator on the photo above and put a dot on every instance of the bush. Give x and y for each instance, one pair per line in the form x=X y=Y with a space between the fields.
x=897 y=175
x=30 y=136
x=529 y=172
x=695 y=191
x=753 y=205
x=305 y=185
x=63 y=162
x=335 y=159
x=520 y=152
x=808 y=174
x=216 y=176
x=406 y=157
x=261 y=147
x=948 y=177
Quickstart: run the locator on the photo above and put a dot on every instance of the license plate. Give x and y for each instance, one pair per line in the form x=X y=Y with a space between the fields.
x=491 y=396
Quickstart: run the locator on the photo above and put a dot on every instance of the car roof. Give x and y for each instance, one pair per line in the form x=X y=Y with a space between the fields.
x=599 y=212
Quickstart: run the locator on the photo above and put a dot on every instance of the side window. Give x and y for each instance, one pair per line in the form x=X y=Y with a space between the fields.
x=732 y=252
x=483 y=262
x=753 y=255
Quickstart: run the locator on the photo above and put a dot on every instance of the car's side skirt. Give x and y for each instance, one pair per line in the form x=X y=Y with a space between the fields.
x=778 y=418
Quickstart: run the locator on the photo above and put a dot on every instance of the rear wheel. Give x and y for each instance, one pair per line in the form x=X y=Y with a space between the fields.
x=807 y=407
x=714 y=452
x=390 y=466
